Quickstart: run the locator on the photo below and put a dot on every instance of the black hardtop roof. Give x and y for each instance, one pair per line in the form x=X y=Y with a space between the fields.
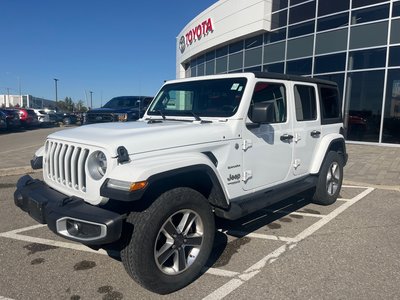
x=279 y=76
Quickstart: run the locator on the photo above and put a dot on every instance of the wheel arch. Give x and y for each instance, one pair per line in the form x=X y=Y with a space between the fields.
x=201 y=178
x=329 y=143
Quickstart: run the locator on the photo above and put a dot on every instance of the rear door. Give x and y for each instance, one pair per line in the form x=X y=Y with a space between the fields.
x=307 y=126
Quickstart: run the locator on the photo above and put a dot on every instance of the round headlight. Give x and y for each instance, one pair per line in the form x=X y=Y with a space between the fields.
x=97 y=165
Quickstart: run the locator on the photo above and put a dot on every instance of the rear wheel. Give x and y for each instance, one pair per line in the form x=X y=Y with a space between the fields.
x=171 y=241
x=329 y=180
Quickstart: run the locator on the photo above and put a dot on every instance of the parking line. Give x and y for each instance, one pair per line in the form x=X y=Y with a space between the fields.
x=13 y=234
x=4 y=298
x=258 y=235
x=235 y=283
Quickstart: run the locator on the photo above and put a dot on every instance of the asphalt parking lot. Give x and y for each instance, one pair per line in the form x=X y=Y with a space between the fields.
x=294 y=250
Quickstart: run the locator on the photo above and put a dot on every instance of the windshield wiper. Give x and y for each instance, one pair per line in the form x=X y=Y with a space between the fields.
x=196 y=116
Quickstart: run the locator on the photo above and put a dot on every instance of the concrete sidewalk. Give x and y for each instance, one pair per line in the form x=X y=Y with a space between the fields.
x=373 y=165
x=368 y=165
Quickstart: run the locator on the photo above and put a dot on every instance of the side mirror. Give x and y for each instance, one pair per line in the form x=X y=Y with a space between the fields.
x=263 y=112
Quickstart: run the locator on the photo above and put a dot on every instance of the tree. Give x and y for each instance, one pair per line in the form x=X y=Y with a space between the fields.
x=80 y=107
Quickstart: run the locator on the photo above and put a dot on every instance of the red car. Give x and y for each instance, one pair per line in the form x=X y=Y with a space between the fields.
x=28 y=117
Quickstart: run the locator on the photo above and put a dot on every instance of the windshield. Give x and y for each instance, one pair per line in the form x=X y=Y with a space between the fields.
x=130 y=102
x=204 y=98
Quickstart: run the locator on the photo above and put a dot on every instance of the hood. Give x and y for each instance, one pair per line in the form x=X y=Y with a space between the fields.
x=138 y=137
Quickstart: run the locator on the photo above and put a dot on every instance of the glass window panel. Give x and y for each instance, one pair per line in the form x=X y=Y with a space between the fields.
x=368 y=35
x=274 y=68
x=279 y=4
x=279 y=19
x=394 y=57
x=326 y=7
x=395 y=34
x=201 y=59
x=221 y=65
x=359 y=3
x=222 y=51
x=302 y=12
x=300 y=47
x=338 y=78
x=331 y=41
x=210 y=55
x=301 y=29
x=299 y=67
x=367 y=59
x=253 y=57
x=330 y=63
x=253 y=69
x=274 y=52
x=305 y=103
x=236 y=61
x=236 y=47
x=210 y=67
x=193 y=71
x=200 y=70
x=396 y=9
x=363 y=110
x=331 y=22
x=370 y=14
x=254 y=41
x=294 y=2
x=275 y=36
x=391 y=121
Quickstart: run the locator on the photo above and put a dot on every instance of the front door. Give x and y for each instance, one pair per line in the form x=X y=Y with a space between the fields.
x=268 y=148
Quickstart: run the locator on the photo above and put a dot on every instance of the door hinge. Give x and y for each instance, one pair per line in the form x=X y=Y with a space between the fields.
x=296 y=163
x=247 y=144
x=247 y=175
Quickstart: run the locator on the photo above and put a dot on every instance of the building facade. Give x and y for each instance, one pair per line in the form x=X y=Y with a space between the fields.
x=355 y=43
x=25 y=101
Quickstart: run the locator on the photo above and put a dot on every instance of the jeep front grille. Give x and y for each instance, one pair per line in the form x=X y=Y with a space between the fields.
x=65 y=164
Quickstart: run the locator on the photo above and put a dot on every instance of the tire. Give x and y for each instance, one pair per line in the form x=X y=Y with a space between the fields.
x=329 y=180
x=152 y=253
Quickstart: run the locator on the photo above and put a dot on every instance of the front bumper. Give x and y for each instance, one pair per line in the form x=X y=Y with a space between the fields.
x=70 y=217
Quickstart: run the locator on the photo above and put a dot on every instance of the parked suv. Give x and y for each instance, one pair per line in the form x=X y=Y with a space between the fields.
x=223 y=145
x=119 y=109
x=12 y=118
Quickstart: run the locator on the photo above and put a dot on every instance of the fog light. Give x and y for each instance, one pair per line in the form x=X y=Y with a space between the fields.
x=80 y=229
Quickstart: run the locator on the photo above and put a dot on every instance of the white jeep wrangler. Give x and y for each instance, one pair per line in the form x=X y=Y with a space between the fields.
x=224 y=145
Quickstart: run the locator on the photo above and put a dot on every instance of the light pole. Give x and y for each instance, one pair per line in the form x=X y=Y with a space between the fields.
x=91 y=103
x=55 y=84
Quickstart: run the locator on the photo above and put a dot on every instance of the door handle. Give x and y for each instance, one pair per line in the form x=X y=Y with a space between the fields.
x=286 y=137
x=315 y=133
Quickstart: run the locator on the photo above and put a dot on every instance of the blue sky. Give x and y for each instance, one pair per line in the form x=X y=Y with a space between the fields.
x=120 y=47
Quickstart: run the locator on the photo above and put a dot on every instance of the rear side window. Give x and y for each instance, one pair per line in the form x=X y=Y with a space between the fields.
x=331 y=106
x=306 y=106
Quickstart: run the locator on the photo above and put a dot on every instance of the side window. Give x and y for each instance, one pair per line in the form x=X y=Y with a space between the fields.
x=305 y=102
x=273 y=93
x=330 y=104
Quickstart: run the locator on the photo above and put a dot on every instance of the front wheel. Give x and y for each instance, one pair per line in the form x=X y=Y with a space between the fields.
x=329 y=180
x=171 y=241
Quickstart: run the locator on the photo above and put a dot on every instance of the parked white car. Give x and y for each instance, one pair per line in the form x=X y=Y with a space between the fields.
x=223 y=145
x=44 y=117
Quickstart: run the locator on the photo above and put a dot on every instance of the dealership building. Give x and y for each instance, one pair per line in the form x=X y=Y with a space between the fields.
x=355 y=43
